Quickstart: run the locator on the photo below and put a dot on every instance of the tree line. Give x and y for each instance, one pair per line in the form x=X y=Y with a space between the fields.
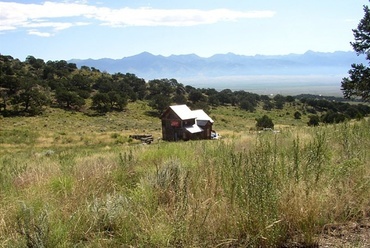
x=26 y=88
x=29 y=87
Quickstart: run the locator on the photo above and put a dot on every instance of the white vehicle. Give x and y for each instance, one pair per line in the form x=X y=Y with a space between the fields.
x=214 y=135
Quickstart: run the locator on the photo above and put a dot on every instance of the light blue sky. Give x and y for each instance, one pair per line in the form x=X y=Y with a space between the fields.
x=57 y=29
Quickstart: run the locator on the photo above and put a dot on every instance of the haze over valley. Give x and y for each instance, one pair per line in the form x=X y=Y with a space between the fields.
x=311 y=72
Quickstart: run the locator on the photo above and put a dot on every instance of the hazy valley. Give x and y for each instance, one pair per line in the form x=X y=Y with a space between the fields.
x=311 y=72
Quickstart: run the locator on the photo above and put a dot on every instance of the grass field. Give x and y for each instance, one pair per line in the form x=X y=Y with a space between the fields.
x=70 y=180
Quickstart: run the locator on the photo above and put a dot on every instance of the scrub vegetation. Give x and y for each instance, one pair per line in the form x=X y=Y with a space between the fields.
x=287 y=171
x=68 y=179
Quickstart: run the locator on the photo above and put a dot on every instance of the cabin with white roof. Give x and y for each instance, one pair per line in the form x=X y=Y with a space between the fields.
x=179 y=122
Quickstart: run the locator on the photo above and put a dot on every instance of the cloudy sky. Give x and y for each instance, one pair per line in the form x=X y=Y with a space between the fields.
x=60 y=29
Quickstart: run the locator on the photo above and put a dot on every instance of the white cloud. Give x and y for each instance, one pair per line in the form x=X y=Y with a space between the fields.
x=52 y=15
x=37 y=33
x=56 y=26
x=173 y=17
x=76 y=1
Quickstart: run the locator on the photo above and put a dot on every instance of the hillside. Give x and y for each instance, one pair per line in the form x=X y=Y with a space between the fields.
x=71 y=175
x=68 y=179
x=29 y=88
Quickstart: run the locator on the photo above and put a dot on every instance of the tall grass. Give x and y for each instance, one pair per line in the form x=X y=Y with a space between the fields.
x=255 y=190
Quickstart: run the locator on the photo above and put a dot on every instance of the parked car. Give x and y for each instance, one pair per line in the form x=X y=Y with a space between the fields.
x=214 y=135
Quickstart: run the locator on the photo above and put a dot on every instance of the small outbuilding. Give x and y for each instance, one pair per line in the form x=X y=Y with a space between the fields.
x=179 y=122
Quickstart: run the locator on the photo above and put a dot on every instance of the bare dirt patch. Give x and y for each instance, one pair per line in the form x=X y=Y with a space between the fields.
x=350 y=234
x=339 y=235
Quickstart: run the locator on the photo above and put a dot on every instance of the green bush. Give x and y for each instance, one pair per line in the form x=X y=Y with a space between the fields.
x=264 y=122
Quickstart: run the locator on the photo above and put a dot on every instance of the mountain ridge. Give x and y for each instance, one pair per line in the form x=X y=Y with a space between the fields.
x=149 y=66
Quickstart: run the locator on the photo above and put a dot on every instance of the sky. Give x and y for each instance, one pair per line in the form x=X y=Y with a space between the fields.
x=64 y=30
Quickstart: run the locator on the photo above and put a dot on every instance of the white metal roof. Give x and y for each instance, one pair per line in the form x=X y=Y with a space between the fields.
x=201 y=115
x=183 y=112
x=194 y=129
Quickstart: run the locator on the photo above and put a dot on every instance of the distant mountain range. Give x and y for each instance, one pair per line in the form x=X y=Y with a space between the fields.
x=309 y=73
x=148 y=66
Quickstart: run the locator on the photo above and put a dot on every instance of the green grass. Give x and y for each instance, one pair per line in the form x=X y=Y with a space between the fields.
x=64 y=186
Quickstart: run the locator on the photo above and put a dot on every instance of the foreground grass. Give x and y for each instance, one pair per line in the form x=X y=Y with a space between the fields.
x=63 y=187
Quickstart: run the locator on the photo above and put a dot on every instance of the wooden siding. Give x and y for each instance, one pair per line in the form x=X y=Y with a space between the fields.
x=173 y=128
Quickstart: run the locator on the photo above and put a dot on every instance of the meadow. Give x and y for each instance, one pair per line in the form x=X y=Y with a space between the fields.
x=71 y=180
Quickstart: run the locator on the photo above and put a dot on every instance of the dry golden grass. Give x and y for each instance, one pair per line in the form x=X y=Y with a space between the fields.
x=98 y=188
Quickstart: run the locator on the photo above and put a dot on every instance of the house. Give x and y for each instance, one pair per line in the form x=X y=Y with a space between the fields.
x=179 y=122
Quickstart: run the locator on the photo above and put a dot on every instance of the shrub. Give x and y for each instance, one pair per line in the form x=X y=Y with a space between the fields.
x=297 y=115
x=331 y=117
x=264 y=122
x=33 y=229
x=314 y=121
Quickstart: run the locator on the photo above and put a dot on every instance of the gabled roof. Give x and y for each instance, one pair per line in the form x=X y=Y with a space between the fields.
x=183 y=112
x=200 y=115
x=202 y=123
